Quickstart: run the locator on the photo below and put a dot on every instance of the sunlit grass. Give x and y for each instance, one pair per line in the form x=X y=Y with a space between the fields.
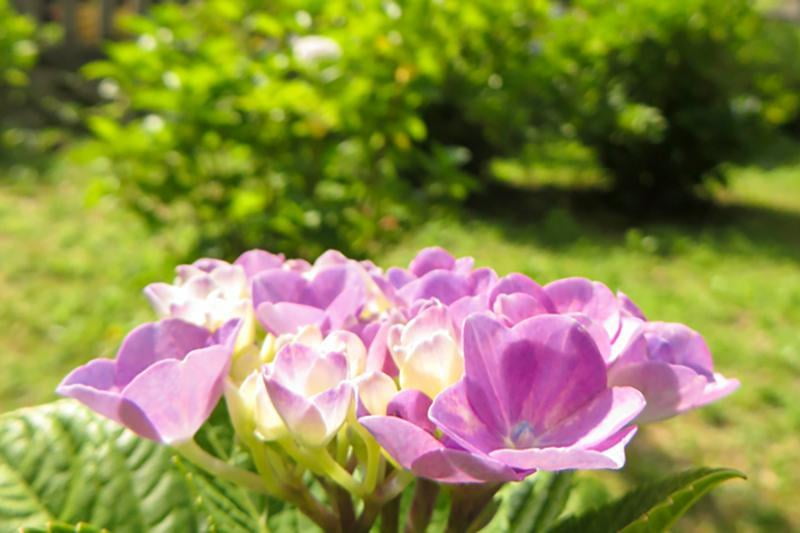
x=71 y=276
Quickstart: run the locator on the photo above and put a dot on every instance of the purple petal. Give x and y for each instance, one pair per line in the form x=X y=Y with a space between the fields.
x=569 y=458
x=597 y=421
x=280 y=286
x=668 y=389
x=540 y=372
x=443 y=285
x=679 y=345
x=418 y=451
x=160 y=296
x=287 y=317
x=399 y=277
x=300 y=415
x=481 y=280
x=429 y=259
x=412 y=405
x=580 y=295
x=452 y=412
x=521 y=284
x=629 y=306
x=94 y=385
x=177 y=396
x=334 y=405
x=456 y=466
x=304 y=370
x=156 y=341
x=341 y=292
x=256 y=261
x=402 y=440
x=518 y=307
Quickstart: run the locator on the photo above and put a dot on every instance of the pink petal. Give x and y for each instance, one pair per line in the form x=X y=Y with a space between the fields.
x=178 y=396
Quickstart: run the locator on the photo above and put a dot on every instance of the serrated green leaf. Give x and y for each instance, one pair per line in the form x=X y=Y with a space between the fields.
x=226 y=508
x=538 y=503
x=62 y=527
x=62 y=463
x=652 y=507
x=533 y=504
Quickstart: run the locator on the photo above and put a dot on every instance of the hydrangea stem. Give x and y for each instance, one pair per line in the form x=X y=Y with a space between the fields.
x=422 y=506
x=216 y=467
x=321 y=462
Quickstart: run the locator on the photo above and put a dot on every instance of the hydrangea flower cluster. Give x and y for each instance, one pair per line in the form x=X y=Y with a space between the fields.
x=367 y=379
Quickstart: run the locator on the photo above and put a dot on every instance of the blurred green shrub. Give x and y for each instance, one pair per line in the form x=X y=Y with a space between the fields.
x=303 y=125
x=664 y=92
x=18 y=48
x=18 y=53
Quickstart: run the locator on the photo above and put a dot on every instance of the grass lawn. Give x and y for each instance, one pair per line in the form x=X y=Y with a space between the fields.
x=70 y=281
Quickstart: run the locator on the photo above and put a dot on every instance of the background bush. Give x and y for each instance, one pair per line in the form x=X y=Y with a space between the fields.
x=663 y=93
x=18 y=52
x=306 y=125
x=218 y=119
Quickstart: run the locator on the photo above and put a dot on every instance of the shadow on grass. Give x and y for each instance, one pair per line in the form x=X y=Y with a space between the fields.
x=648 y=461
x=559 y=217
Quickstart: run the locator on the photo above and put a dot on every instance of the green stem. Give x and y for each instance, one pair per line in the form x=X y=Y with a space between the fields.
x=320 y=462
x=422 y=506
x=216 y=467
x=390 y=515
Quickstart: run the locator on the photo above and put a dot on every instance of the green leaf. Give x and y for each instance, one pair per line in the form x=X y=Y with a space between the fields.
x=534 y=504
x=652 y=507
x=225 y=507
x=62 y=527
x=61 y=463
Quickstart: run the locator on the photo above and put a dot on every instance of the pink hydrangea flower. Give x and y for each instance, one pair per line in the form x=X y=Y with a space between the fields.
x=164 y=383
x=533 y=397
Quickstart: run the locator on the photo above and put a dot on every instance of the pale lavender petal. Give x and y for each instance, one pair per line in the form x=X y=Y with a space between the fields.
x=668 y=389
x=334 y=405
x=629 y=306
x=429 y=259
x=300 y=415
x=279 y=286
x=256 y=261
x=719 y=388
x=416 y=450
x=94 y=385
x=341 y=292
x=485 y=343
x=160 y=296
x=178 y=396
x=605 y=415
x=598 y=333
x=553 y=370
x=207 y=264
x=462 y=308
x=456 y=466
x=452 y=413
x=402 y=440
x=630 y=340
x=287 y=317
x=521 y=284
x=412 y=405
x=443 y=285
x=227 y=334
x=541 y=371
x=569 y=458
x=156 y=341
x=677 y=344
x=331 y=258
x=399 y=277
x=517 y=307
x=481 y=280
x=580 y=295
